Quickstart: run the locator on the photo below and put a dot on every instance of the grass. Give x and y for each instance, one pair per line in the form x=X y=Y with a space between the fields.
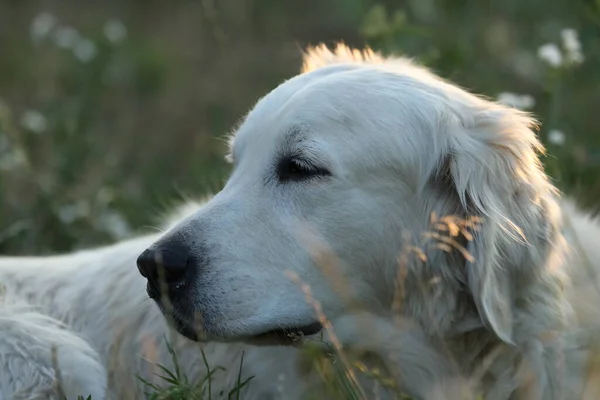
x=336 y=382
x=178 y=387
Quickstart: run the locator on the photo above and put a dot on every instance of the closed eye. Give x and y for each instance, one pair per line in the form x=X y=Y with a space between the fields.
x=292 y=169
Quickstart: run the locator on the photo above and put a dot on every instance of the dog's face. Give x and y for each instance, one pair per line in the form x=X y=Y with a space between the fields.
x=329 y=174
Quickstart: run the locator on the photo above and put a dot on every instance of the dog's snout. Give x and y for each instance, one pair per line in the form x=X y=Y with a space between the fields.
x=167 y=263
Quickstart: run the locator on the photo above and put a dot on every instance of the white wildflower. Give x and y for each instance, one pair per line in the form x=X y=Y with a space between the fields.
x=572 y=45
x=522 y=101
x=41 y=26
x=66 y=214
x=115 y=31
x=66 y=37
x=34 y=121
x=69 y=213
x=551 y=54
x=527 y=102
x=570 y=39
x=84 y=50
x=12 y=159
x=556 y=137
x=114 y=224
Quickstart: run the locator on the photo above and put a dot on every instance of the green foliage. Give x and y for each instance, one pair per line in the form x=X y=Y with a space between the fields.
x=175 y=385
x=104 y=124
x=74 y=171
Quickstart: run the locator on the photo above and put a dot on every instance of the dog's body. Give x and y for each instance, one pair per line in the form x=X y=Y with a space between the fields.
x=346 y=164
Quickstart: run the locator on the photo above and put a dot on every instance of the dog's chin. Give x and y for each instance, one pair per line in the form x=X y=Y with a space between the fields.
x=270 y=337
x=283 y=336
x=182 y=317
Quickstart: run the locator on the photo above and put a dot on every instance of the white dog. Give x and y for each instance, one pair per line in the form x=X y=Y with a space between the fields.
x=414 y=215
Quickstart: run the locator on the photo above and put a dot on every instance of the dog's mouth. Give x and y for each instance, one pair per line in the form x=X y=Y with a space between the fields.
x=274 y=337
x=181 y=316
x=280 y=336
x=284 y=336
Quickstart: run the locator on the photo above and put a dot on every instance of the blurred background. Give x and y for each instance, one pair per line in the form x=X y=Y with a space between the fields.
x=112 y=111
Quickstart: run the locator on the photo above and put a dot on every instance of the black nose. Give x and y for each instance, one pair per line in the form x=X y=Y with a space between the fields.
x=168 y=263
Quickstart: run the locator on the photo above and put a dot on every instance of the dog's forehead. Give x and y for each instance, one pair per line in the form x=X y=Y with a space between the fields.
x=276 y=98
x=340 y=106
x=277 y=119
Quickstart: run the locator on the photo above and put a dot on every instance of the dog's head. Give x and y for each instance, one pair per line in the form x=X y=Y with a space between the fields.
x=332 y=172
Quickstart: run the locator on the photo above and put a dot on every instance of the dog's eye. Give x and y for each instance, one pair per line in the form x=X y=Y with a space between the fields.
x=292 y=169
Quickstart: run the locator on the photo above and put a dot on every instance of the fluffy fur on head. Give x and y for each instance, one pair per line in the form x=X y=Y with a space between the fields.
x=481 y=159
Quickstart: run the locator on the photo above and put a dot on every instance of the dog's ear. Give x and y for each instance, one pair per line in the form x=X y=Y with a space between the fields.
x=492 y=167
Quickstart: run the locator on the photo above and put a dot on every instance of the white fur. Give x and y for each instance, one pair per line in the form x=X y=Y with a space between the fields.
x=26 y=347
x=401 y=145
